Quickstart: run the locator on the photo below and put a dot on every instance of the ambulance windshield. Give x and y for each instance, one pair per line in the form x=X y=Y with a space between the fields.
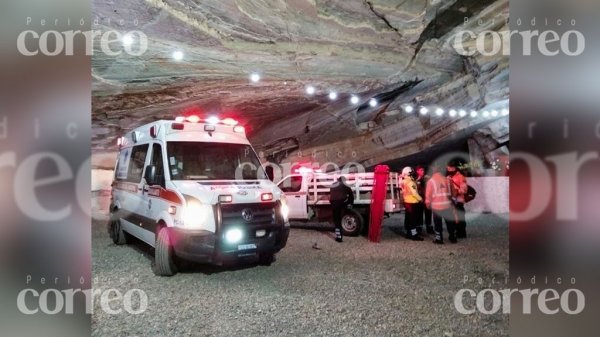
x=213 y=161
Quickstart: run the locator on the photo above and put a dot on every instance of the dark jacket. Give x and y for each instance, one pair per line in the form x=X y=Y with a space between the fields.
x=341 y=194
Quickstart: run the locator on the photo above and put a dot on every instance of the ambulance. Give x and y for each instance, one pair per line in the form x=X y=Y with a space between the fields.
x=194 y=189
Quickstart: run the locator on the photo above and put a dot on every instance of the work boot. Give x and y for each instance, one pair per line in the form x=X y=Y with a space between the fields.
x=453 y=239
x=338 y=235
x=438 y=242
x=430 y=230
x=414 y=235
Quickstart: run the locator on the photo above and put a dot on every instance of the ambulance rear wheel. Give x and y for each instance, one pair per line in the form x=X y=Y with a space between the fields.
x=352 y=223
x=164 y=256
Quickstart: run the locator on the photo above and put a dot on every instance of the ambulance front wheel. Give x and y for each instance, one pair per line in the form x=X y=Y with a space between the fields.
x=352 y=222
x=164 y=256
x=117 y=234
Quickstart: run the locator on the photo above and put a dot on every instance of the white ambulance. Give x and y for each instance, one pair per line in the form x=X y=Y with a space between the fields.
x=307 y=192
x=194 y=189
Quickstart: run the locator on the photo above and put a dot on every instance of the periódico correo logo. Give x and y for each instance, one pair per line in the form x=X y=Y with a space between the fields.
x=54 y=43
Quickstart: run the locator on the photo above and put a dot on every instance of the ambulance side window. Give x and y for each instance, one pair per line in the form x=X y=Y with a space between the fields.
x=136 y=163
x=122 y=164
x=157 y=161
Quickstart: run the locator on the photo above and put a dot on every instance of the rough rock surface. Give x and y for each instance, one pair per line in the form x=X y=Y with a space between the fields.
x=397 y=51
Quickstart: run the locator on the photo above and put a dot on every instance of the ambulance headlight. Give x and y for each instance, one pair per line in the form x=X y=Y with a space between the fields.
x=284 y=210
x=196 y=214
x=233 y=235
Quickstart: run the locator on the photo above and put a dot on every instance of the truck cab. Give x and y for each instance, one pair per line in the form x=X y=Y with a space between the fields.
x=194 y=189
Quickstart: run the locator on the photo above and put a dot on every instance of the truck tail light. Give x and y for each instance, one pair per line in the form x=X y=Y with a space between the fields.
x=239 y=129
x=266 y=196
x=177 y=126
x=225 y=198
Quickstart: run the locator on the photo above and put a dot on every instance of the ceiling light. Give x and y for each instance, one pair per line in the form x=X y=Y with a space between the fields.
x=473 y=113
x=409 y=108
x=373 y=102
x=254 y=77
x=486 y=114
x=462 y=113
x=177 y=55
x=439 y=111
x=452 y=113
x=504 y=112
x=494 y=113
x=310 y=90
x=127 y=40
x=332 y=95
x=424 y=111
x=354 y=99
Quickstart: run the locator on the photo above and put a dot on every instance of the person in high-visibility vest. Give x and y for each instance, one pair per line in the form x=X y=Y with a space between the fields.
x=460 y=188
x=438 y=196
x=424 y=216
x=411 y=203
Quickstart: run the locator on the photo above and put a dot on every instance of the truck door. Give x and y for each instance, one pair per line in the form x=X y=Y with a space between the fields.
x=296 y=196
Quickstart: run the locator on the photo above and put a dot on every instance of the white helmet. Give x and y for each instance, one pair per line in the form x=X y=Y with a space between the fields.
x=407 y=171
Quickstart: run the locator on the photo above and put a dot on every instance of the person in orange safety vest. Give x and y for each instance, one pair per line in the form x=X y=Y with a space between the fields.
x=438 y=198
x=460 y=188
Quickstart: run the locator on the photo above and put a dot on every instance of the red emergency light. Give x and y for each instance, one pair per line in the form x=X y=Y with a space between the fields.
x=193 y=119
x=230 y=122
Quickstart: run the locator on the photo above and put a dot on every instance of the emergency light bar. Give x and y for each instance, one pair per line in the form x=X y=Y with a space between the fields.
x=210 y=123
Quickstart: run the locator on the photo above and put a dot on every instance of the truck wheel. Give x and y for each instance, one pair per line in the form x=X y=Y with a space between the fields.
x=352 y=222
x=117 y=234
x=164 y=257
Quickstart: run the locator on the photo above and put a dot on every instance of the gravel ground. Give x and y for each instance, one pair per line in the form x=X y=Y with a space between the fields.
x=356 y=288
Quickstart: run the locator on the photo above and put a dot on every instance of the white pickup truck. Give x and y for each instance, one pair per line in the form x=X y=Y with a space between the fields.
x=307 y=194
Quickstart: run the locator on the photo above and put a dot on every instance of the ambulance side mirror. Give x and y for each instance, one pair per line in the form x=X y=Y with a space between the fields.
x=150 y=175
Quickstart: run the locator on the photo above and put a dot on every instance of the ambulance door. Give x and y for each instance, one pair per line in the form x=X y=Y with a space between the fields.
x=296 y=196
x=134 y=207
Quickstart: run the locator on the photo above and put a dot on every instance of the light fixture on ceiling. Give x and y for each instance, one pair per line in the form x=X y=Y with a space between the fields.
x=177 y=55
x=409 y=109
x=462 y=113
x=474 y=113
x=373 y=102
x=255 y=77
x=424 y=111
x=310 y=90
x=354 y=99
x=439 y=111
x=452 y=113
x=127 y=40
x=333 y=95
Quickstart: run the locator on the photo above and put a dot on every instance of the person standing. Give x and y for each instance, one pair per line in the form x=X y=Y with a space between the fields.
x=411 y=199
x=438 y=196
x=459 y=186
x=424 y=216
x=341 y=197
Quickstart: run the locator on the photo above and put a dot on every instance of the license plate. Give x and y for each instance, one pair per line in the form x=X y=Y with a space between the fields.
x=246 y=247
